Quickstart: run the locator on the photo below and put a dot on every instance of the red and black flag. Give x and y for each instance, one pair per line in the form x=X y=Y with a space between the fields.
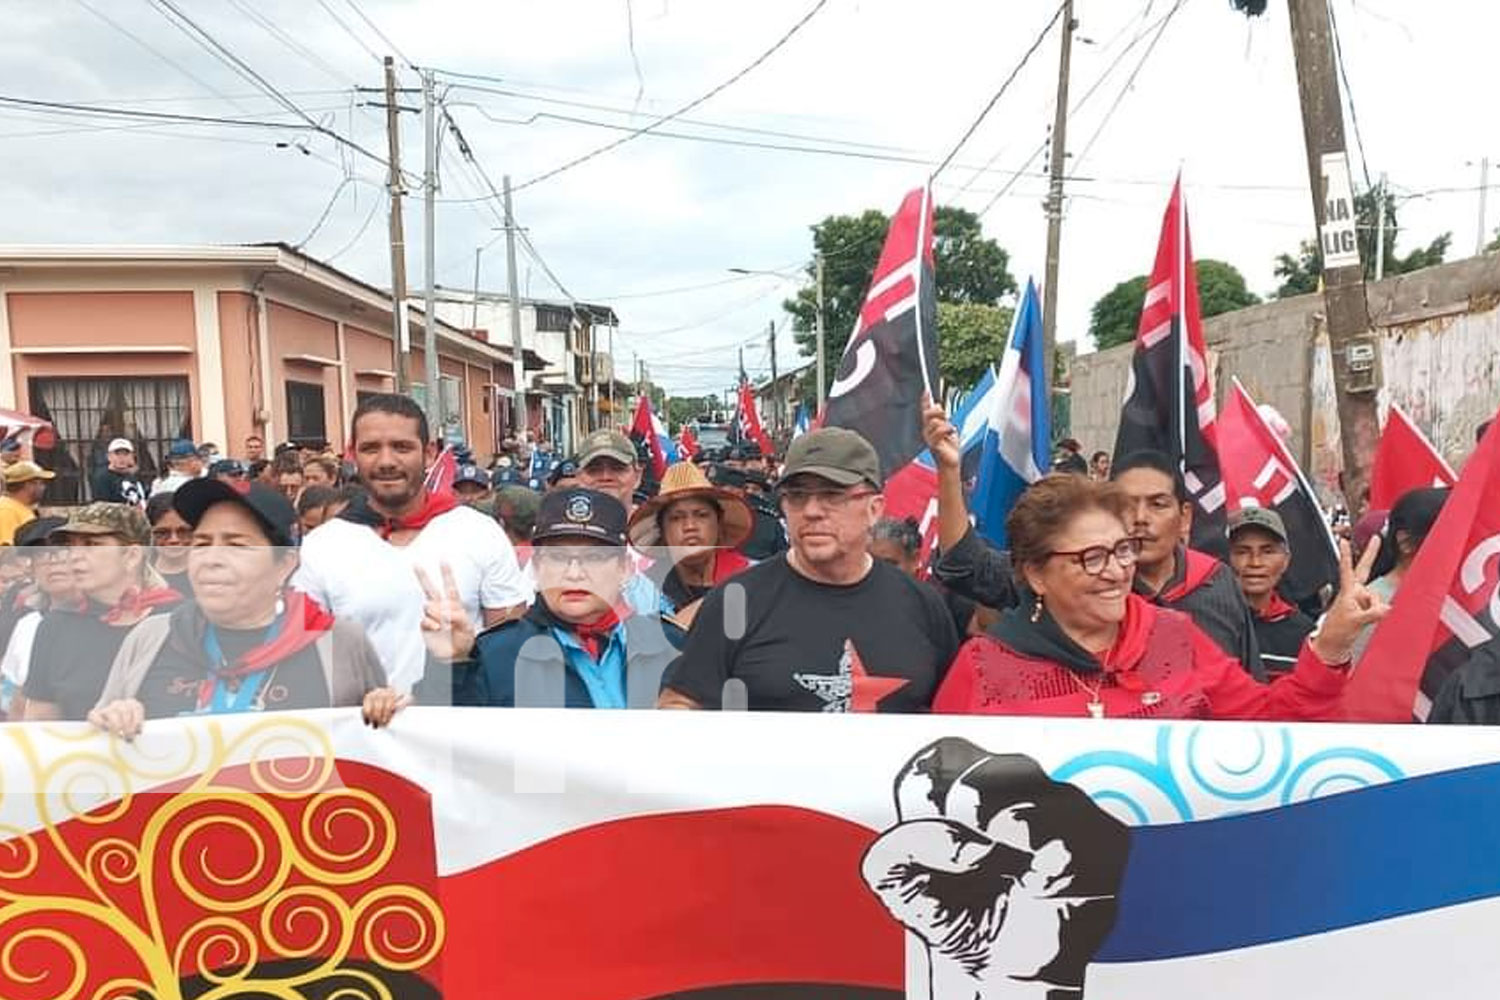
x=891 y=359
x=1446 y=606
x=1259 y=471
x=1169 y=404
x=747 y=426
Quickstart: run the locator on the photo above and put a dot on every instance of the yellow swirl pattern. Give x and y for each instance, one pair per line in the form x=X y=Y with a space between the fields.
x=277 y=859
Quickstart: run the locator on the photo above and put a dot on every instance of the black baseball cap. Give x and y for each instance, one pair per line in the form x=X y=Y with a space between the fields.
x=274 y=511
x=38 y=530
x=581 y=514
x=566 y=469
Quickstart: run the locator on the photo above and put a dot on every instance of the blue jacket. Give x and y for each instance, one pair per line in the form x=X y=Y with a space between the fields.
x=522 y=662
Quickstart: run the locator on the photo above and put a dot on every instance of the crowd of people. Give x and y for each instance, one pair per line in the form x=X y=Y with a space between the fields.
x=734 y=580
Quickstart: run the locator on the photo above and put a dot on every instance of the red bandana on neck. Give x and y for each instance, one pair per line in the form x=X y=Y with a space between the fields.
x=137 y=600
x=433 y=504
x=303 y=623
x=593 y=635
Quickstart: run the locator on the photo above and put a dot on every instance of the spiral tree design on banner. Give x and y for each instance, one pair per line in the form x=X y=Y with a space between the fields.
x=259 y=878
x=1218 y=771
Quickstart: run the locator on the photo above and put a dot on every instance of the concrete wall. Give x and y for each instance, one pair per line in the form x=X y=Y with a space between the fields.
x=1440 y=355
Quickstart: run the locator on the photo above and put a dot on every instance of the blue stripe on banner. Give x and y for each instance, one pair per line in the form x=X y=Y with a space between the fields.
x=1354 y=858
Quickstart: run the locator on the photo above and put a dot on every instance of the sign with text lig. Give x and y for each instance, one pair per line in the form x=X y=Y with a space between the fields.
x=1339 y=235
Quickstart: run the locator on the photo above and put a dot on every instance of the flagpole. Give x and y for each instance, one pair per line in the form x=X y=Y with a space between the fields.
x=1291 y=463
x=921 y=249
x=1182 y=325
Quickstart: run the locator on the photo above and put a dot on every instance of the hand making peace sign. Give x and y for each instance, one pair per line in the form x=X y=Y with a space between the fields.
x=446 y=626
x=1354 y=607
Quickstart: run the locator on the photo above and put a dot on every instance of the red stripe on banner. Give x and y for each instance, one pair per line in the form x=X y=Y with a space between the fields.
x=653 y=905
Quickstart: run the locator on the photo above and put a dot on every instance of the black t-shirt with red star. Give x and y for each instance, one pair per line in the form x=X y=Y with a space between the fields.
x=882 y=644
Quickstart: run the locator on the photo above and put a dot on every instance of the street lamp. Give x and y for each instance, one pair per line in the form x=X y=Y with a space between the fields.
x=822 y=377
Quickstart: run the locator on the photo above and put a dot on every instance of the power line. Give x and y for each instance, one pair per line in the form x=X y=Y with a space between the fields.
x=1129 y=83
x=348 y=30
x=1338 y=55
x=380 y=34
x=375 y=208
x=712 y=140
x=327 y=211
x=296 y=47
x=157 y=53
x=640 y=80
x=634 y=133
x=995 y=98
x=701 y=123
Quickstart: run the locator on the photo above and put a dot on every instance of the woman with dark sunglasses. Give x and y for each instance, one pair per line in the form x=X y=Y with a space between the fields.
x=1082 y=643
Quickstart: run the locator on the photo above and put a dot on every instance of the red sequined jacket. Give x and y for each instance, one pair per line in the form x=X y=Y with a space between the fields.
x=1161 y=666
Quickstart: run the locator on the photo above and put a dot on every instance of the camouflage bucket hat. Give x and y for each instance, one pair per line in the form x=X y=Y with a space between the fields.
x=118 y=519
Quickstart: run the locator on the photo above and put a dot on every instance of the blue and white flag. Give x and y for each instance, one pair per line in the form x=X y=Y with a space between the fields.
x=971 y=416
x=1018 y=441
x=802 y=423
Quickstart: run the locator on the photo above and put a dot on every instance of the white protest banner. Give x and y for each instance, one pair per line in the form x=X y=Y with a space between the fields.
x=717 y=855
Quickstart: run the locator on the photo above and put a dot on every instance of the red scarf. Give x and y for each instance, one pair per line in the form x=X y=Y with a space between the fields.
x=1277 y=608
x=136 y=601
x=1124 y=658
x=433 y=504
x=728 y=562
x=594 y=635
x=303 y=623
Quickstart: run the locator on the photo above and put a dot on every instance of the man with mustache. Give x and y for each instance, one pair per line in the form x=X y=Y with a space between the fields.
x=1170 y=574
x=361 y=565
x=825 y=627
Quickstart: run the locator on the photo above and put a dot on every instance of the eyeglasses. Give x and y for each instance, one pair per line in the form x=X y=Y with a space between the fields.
x=51 y=554
x=794 y=499
x=171 y=534
x=589 y=556
x=1095 y=558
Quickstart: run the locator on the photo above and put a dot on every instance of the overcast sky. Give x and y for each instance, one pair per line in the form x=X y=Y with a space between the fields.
x=886 y=80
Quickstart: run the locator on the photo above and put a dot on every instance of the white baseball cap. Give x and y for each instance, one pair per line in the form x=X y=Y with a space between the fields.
x=121 y=444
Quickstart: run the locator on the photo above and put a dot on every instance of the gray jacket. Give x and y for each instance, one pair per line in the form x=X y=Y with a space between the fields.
x=351 y=666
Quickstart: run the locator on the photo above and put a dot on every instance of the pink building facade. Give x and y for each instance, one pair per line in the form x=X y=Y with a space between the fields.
x=214 y=344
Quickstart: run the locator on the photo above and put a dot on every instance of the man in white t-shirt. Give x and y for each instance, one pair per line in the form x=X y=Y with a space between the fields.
x=361 y=565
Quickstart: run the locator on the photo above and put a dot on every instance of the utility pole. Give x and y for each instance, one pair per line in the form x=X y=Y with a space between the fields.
x=518 y=361
x=1484 y=190
x=775 y=385
x=1054 y=202
x=742 y=364
x=400 y=333
x=822 y=373
x=435 y=416
x=1355 y=352
x=1380 y=231
x=613 y=419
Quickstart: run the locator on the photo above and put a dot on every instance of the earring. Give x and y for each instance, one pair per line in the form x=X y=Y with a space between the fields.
x=1036 y=610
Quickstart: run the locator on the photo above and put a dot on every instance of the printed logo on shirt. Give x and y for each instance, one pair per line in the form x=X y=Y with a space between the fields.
x=852 y=689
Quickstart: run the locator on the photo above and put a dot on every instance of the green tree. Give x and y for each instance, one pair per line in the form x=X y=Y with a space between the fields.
x=682 y=409
x=971 y=269
x=971 y=337
x=1300 y=273
x=1117 y=315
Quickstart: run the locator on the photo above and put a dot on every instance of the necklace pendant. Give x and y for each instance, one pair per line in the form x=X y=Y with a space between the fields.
x=1096 y=709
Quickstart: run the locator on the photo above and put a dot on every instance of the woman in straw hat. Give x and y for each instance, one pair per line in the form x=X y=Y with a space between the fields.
x=700 y=528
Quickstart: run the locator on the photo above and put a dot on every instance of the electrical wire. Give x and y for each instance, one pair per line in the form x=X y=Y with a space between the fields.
x=1129 y=83
x=701 y=123
x=158 y=53
x=380 y=34
x=374 y=210
x=1338 y=55
x=207 y=41
x=712 y=140
x=327 y=210
x=294 y=46
x=995 y=98
x=348 y=30
x=640 y=80
x=650 y=126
